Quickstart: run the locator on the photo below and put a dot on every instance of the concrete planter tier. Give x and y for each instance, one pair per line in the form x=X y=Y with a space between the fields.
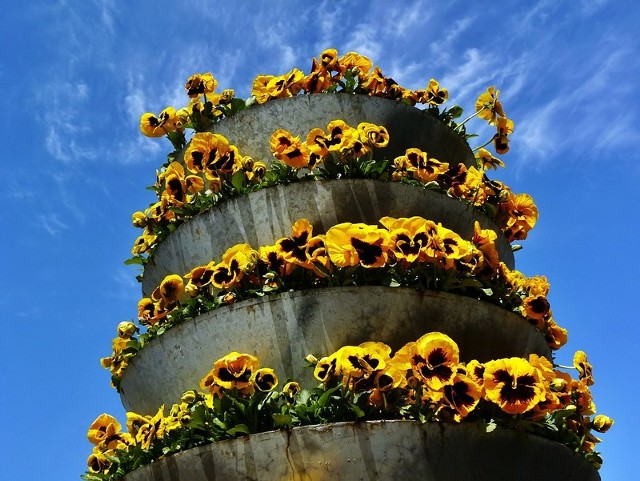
x=381 y=450
x=262 y=217
x=408 y=126
x=282 y=329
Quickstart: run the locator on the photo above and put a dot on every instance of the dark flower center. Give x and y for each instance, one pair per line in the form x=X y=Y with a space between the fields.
x=368 y=253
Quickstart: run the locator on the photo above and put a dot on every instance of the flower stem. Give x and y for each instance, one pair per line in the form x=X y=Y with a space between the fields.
x=469 y=118
x=483 y=145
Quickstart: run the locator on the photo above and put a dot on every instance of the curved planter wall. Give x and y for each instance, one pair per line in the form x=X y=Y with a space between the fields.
x=384 y=451
x=262 y=217
x=251 y=129
x=282 y=329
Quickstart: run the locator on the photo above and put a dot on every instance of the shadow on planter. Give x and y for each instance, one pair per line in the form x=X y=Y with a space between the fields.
x=263 y=217
x=378 y=450
x=282 y=329
x=251 y=129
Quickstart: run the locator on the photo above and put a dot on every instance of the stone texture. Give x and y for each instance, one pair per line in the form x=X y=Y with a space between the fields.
x=384 y=450
x=251 y=129
x=263 y=217
x=282 y=329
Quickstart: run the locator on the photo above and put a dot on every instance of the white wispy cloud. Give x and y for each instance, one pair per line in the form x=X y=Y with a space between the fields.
x=274 y=38
x=135 y=99
x=124 y=285
x=590 y=7
x=408 y=74
x=473 y=74
x=107 y=8
x=405 y=19
x=17 y=189
x=539 y=12
x=442 y=48
x=54 y=145
x=63 y=93
x=65 y=181
x=364 y=39
x=327 y=29
x=535 y=133
x=52 y=223
x=567 y=119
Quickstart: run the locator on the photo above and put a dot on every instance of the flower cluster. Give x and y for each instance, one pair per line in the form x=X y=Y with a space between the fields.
x=431 y=369
x=424 y=381
x=240 y=373
x=339 y=148
x=222 y=172
x=351 y=73
x=489 y=108
x=205 y=107
x=215 y=170
x=409 y=252
x=339 y=139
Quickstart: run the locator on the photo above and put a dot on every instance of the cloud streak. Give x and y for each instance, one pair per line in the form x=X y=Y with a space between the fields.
x=52 y=224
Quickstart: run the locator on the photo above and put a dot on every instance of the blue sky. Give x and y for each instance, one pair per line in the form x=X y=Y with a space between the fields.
x=76 y=76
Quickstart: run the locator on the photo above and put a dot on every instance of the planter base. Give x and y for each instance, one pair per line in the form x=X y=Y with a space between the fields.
x=382 y=450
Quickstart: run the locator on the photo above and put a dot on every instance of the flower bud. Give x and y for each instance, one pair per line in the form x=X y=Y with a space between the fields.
x=126 y=330
x=139 y=219
x=291 y=389
x=191 y=289
x=188 y=397
x=602 y=423
x=558 y=384
x=229 y=298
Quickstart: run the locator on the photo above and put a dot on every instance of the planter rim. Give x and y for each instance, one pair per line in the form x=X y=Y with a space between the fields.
x=254 y=301
x=283 y=328
x=223 y=207
x=438 y=126
x=349 y=438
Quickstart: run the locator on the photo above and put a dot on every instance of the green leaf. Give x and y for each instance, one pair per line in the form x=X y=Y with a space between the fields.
x=238 y=181
x=455 y=112
x=322 y=400
x=595 y=459
x=177 y=139
x=491 y=210
x=136 y=261
x=356 y=410
x=282 y=420
x=240 y=429
x=239 y=104
x=561 y=415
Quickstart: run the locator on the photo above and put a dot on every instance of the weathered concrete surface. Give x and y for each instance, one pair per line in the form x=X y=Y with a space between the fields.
x=251 y=129
x=372 y=451
x=282 y=329
x=263 y=217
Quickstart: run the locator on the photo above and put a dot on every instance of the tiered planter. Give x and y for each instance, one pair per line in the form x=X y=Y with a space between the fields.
x=385 y=451
x=282 y=329
x=263 y=217
x=251 y=129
